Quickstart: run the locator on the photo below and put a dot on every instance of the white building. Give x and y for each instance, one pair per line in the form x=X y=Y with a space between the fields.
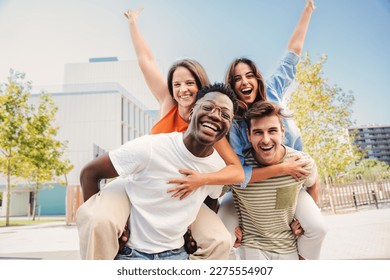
x=98 y=108
x=94 y=118
x=108 y=70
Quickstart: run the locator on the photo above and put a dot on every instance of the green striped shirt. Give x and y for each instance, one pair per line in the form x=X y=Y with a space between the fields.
x=266 y=209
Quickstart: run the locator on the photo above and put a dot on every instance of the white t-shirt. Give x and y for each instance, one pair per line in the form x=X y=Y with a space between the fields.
x=158 y=221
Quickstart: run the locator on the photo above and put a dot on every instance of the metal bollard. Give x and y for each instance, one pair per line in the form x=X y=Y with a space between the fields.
x=375 y=198
x=354 y=199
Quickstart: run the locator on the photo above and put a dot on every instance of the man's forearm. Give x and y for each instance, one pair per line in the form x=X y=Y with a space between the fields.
x=93 y=172
x=89 y=186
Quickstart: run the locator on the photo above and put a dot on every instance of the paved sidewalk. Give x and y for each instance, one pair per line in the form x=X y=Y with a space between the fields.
x=354 y=235
x=46 y=241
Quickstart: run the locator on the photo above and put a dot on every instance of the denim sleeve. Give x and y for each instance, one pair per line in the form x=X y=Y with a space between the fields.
x=248 y=176
x=237 y=142
x=284 y=75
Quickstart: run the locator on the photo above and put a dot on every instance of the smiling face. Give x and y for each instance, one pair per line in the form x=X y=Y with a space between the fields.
x=266 y=135
x=211 y=118
x=246 y=84
x=184 y=87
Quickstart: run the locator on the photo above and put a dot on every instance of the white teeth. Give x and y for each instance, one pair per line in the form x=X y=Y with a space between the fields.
x=246 y=90
x=211 y=126
x=266 y=148
x=185 y=96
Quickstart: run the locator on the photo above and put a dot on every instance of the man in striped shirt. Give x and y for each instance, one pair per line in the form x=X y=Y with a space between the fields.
x=266 y=209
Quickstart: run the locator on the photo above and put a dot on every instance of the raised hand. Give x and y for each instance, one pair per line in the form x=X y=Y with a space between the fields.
x=310 y=3
x=131 y=15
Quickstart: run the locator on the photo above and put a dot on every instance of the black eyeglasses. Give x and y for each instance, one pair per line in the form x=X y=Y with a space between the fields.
x=210 y=108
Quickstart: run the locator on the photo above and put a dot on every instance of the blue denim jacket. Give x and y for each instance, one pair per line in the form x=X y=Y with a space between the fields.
x=277 y=86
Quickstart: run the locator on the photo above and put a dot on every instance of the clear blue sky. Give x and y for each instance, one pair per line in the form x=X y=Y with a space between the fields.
x=38 y=37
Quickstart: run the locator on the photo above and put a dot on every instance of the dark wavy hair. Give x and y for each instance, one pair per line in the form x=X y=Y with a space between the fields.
x=229 y=80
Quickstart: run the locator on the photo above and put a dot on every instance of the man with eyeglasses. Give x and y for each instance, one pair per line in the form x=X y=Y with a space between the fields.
x=157 y=221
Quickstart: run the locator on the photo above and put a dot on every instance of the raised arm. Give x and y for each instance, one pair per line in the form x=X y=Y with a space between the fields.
x=278 y=83
x=153 y=77
x=298 y=37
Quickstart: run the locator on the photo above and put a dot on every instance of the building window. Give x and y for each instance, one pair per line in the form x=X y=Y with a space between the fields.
x=123 y=109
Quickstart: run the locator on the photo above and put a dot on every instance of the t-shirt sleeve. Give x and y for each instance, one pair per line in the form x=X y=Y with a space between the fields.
x=132 y=157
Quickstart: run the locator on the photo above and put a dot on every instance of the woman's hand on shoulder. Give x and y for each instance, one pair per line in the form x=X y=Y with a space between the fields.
x=294 y=167
x=186 y=185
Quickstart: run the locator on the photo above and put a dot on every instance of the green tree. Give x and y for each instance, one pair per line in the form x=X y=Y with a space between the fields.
x=323 y=114
x=44 y=153
x=370 y=169
x=14 y=116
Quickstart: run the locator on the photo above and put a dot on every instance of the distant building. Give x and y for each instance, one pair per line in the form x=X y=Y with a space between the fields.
x=111 y=70
x=96 y=113
x=374 y=140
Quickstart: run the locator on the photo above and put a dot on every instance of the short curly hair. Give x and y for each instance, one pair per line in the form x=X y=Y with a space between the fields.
x=221 y=88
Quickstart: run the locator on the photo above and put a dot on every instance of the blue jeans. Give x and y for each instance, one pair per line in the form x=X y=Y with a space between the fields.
x=132 y=254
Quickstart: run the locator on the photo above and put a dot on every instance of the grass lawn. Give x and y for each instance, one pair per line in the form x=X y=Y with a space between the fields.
x=26 y=221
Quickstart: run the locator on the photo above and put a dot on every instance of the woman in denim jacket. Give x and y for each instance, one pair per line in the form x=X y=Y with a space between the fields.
x=244 y=77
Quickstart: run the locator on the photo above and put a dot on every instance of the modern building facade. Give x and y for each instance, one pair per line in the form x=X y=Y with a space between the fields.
x=108 y=70
x=94 y=118
x=374 y=140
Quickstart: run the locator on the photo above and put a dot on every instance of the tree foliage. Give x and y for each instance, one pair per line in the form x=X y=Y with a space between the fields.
x=14 y=115
x=370 y=169
x=323 y=114
x=43 y=151
x=28 y=144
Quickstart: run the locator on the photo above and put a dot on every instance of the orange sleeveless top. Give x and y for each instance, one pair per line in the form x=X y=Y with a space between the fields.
x=171 y=122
